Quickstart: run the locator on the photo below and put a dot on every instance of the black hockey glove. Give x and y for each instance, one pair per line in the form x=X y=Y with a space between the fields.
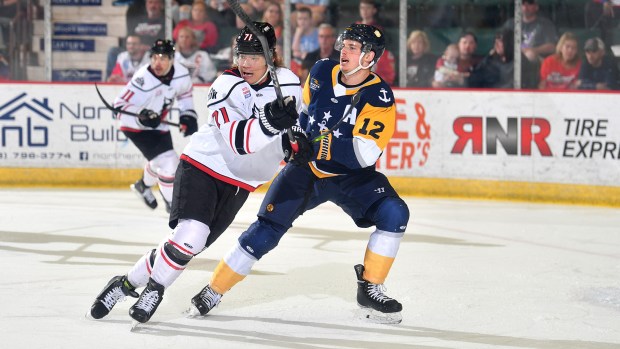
x=188 y=124
x=274 y=118
x=305 y=150
x=149 y=118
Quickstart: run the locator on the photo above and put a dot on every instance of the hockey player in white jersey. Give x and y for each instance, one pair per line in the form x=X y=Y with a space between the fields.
x=239 y=149
x=150 y=94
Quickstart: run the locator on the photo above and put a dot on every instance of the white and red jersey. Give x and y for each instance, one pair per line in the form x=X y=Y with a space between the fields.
x=200 y=66
x=231 y=146
x=146 y=91
x=126 y=67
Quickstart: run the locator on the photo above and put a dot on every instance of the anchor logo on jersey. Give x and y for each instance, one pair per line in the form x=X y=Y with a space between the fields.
x=385 y=97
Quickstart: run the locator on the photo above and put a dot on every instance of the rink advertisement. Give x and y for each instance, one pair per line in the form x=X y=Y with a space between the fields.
x=563 y=138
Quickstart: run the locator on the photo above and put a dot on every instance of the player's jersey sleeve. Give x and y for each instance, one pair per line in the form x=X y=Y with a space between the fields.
x=231 y=107
x=184 y=89
x=373 y=129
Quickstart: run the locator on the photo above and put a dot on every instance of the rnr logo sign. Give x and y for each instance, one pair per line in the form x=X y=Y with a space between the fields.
x=520 y=134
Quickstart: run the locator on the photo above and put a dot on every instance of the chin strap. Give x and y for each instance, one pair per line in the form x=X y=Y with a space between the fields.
x=261 y=78
x=359 y=67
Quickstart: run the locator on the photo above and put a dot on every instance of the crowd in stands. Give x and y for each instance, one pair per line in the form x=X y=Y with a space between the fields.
x=447 y=46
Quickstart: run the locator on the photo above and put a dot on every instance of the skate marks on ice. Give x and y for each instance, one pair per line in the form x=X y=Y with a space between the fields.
x=271 y=332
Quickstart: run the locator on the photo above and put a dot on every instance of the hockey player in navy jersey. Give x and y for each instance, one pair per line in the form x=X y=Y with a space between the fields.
x=150 y=94
x=340 y=169
x=239 y=149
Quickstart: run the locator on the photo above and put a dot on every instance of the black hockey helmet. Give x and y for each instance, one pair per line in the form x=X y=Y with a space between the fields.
x=247 y=42
x=371 y=38
x=163 y=47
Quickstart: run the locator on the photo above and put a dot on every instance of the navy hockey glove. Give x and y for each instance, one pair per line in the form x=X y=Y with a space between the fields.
x=149 y=118
x=305 y=152
x=187 y=123
x=274 y=118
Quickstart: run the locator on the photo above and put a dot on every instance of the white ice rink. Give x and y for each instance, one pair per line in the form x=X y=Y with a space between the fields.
x=470 y=274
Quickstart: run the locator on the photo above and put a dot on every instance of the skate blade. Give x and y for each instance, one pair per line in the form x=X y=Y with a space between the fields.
x=135 y=325
x=193 y=312
x=377 y=317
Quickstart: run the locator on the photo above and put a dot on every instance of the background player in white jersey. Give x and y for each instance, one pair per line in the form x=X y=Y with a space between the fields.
x=239 y=149
x=341 y=171
x=151 y=93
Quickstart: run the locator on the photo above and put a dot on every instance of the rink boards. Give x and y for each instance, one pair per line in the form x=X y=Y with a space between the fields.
x=523 y=145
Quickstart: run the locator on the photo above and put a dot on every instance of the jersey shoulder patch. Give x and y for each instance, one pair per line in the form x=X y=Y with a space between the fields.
x=378 y=95
x=227 y=85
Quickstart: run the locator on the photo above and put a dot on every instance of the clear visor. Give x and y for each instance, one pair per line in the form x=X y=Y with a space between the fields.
x=339 y=45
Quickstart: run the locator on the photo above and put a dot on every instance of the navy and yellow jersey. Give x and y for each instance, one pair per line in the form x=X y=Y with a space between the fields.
x=362 y=136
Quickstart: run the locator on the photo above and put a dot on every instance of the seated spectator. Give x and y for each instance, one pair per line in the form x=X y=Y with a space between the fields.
x=603 y=14
x=538 y=33
x=327 y=39
x=200 y=66
x=560 y=71
x=129 y=61
x=598 y=71
x=386 y=67
x=205 y=30
x=144 y=18
x=318 y=8
x=447 y=72
x=258 y=8
x=468 y=43
x=369 y=13
x=273 y=15
x=420 y=63
x=306 y=38
x=496 y=70
x=223 y=16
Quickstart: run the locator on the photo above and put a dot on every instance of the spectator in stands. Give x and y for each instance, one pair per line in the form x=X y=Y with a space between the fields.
x=468 y=59
x=447 y=73
x=327 y=39
x=386 y=67
x=128 y=62
x=598 y=71
x=306 y=38
x=369 y=13
x=205 y=30
x=318 y=8
x=420 y=63
x=603 y=14
x=273 y=16
x=560 y=70
x=496 y=70
x=224 y=15
x=200 y=66
x=144 y=18
x=539 y=33
x=150 y=25
x=258 y=8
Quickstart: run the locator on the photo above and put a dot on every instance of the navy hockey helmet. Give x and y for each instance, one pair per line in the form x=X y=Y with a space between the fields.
x=163 y=47
x=247 y=42
x=371 y=38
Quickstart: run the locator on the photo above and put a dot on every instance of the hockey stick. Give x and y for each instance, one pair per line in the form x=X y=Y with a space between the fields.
x=120 y=111
x=236 y=7
x=354 y=100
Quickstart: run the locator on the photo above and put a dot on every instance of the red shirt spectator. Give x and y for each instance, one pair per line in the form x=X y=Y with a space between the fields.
x=205 y=30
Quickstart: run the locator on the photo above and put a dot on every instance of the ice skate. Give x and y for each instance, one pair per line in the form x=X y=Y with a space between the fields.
x=168 y=204
x=377 y=306
x=204 y=301
x=144 y=193
x=148 y=302
x=115 y=291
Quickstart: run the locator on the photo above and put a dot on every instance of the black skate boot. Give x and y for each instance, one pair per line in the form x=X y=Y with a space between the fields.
x=115 y=291
x=371 y=297
x=148 y=302
x=168 y=204
x=144 y=193
x=204 y=301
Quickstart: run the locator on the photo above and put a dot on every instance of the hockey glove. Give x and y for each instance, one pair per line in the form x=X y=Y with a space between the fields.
x=305 y=152
x=149 y=118
x=274 y=118
x=188 y=124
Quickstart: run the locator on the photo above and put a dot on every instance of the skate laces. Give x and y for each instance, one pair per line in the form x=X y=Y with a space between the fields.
x=114 y=296
x=210 y=297
x=377 y=292
x=148 y=301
